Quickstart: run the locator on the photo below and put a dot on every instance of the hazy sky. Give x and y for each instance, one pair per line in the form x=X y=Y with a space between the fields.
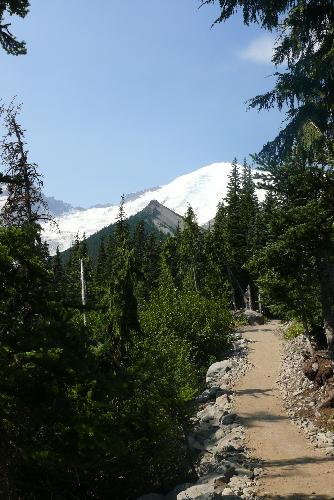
x=120 y=95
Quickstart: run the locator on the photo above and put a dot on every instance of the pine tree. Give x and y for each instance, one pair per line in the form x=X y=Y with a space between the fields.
x=25 y=203
x=151 y=262
x=7 y=40
x=122 y=232
x=305 y=88
x=138 y=243
x=123 y=308
x=299 y=238
x=249 y=210
x=235 y=236
x=217 y=271
x=189 y=251
x=101 y=268
x=58 y=272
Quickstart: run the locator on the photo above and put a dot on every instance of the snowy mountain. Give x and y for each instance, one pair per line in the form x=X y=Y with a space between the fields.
x=57 y=208
x=203 y=189
x=156 y=219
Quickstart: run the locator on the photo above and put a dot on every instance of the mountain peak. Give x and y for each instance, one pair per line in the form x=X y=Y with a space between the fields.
x=202 y=189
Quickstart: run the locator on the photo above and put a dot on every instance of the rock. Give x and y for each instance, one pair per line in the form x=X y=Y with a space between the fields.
x=178 y=489
x=210 y=414
x=231 y=497
x=238 y=483
x=241 y=471
x=229 y=443
x=218 y=369
x=223 y=402
x=220 y=433
x=203 y=430
x=228 y=419
x=228 y=494
x=199 y=492
x=220 y=482
x=209 y=394
x=254 y=317
x=257 y=471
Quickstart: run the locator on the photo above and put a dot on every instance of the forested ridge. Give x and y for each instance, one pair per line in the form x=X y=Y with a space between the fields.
x=102 y=359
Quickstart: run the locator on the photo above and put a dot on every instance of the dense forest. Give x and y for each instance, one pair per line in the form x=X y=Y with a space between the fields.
x=98 y=382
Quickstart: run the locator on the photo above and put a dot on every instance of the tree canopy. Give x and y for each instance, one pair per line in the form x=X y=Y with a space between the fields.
x=303 y=56
x=8 y=41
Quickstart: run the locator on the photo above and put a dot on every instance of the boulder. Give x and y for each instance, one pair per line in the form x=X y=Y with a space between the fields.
x=172 y=495
x=209 y=394
x=198 y=492
x=223 y=402
x=228 y=419
x=231 y=442
x=238 y=484
x=254 y=317
x=210 y=414
x=220 y=482
x=228 y=495
x=218 y=369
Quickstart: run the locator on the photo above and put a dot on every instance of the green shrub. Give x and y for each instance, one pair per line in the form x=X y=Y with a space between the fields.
x=294 y=330
x=204 y=322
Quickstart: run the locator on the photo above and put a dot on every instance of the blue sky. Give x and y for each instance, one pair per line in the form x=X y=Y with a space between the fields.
x=120 y=95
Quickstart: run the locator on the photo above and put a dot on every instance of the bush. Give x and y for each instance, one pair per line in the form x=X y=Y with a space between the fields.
x=162 y=385
x=294 y=329
x=204 y=322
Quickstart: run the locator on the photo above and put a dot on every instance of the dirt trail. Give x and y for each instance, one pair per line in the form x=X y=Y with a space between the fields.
x=293 y=467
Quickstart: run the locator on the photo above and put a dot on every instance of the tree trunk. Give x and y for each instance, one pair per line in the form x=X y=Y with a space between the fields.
x=325 y=265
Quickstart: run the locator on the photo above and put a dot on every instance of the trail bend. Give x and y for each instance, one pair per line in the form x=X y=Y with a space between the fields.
x=293 y=468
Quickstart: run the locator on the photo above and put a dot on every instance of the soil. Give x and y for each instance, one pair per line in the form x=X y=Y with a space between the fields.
x=293 y=468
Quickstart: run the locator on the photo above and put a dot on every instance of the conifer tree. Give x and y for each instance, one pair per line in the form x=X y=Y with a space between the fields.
x=234 y=235
x=190 y=252
x=123 y=309
x=151 y=261
x=218 y=271
x=101 y=269
x=249 y=210
x=138 y=243
x=305 y=45
x=122 y=233
x=300 y=237
x=7 y=40
x=25 y=203
x=58 y=272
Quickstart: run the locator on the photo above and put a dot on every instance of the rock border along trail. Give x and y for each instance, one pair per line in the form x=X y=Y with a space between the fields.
x=292 y=467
